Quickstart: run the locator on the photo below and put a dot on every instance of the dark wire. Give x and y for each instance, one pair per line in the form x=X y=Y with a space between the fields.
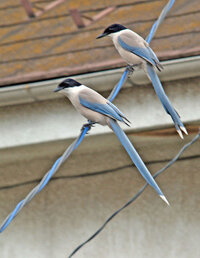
x=137 y=195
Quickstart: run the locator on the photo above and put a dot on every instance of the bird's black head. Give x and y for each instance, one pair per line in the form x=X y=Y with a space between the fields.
x=68 y=83
x=111 y=29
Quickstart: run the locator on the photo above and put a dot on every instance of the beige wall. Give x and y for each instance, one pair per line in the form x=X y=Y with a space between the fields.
x=68 y=211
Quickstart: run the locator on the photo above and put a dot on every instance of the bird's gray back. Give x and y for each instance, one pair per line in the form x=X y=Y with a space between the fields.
x=133 y=39
x=92 y=96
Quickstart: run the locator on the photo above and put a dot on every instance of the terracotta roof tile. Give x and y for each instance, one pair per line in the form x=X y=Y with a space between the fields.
x=52 y=42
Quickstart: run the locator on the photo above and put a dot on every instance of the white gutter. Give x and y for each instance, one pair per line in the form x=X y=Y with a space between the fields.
x=101 y=81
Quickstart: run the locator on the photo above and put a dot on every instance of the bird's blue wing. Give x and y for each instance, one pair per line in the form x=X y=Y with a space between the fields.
x=143 y=52
x=104 y=109
x=118 y=111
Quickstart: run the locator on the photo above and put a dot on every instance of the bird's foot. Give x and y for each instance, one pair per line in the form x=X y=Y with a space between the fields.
x=90 y=124
x=130 y=69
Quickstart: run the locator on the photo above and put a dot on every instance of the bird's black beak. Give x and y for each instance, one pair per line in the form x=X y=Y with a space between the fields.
x=58 y=89
x=102 y=35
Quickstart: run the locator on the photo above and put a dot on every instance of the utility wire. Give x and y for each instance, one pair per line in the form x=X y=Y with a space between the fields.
x=160 y=19
x=94 y=173
x=84 y=131
x=45 y=179
x=137 y=195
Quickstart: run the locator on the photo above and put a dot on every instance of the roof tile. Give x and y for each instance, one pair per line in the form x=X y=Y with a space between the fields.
x=51 y=42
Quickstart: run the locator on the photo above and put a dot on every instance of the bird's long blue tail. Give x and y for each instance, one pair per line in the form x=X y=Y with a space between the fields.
x=165 y=100
x=135 y=157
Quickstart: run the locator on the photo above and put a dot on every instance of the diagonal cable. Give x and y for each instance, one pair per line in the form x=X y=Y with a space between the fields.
x=160 y=19
x=46 y=178
x=169 y=164
x=84 y=131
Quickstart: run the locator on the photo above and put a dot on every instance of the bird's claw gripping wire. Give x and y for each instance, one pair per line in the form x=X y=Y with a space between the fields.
x=88 y=125
x=130 y=69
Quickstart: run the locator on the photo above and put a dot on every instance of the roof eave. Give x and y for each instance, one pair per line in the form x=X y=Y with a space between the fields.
x=101 y=81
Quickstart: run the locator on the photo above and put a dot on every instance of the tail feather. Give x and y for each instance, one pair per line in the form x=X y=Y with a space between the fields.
x=134 y=156
x=165 y=100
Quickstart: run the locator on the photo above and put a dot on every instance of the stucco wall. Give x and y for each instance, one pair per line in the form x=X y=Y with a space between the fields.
x=68 y=211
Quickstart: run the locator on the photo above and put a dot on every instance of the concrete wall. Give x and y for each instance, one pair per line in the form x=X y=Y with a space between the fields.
x=68 y=210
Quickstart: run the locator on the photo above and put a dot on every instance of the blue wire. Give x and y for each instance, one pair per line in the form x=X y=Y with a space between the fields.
x=119 y=85
x=11 y=217
x=51 y=172
x=151 y=32
x=160 y=19
x=86 y=129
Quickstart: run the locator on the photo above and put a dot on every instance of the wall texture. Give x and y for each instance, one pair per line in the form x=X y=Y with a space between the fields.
x=68 y=210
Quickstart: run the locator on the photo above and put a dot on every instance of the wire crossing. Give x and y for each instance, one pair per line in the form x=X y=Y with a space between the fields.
x=169 y=164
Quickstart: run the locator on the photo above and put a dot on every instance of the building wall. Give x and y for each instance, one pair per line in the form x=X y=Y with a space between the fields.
x=69 y=210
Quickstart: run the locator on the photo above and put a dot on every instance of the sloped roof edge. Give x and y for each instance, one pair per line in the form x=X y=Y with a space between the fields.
x=101 y=81
x=93 y=67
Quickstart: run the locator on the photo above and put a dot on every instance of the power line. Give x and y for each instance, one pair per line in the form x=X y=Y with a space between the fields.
x=137 y=195
x=95 y=173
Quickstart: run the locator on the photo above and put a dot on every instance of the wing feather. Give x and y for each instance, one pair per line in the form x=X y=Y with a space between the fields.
x=138 y=47
x=104 y=109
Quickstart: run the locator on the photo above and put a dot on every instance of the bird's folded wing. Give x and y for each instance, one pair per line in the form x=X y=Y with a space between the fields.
x=117 y=110
x=145 y=53
x=104 y=109
x=153 y=55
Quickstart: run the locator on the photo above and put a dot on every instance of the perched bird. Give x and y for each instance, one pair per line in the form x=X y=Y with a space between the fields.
x=136 y=51
x=97 y=109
